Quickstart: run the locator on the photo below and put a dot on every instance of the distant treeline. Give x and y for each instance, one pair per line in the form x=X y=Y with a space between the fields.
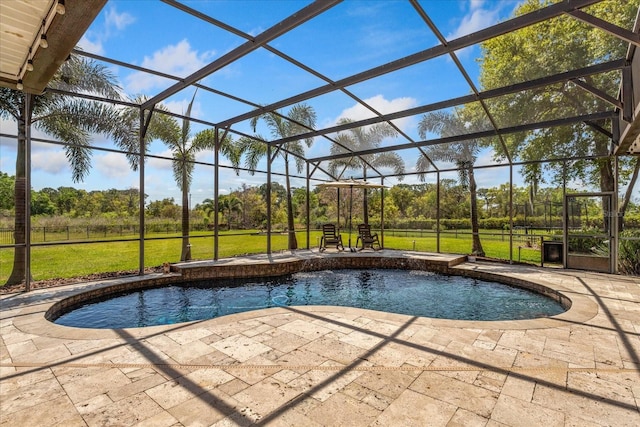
x=406 y=206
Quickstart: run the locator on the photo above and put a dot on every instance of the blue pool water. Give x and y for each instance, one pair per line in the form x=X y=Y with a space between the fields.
x=417 y=293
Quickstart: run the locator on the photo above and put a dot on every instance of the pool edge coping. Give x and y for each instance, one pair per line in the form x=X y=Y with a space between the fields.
x=582 y=308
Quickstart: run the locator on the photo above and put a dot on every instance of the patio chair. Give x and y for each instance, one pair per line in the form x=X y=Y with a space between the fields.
x=367 y=239
x=330 y=237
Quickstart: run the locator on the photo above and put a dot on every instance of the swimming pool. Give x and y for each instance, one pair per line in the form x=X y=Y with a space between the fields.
x=417 y=293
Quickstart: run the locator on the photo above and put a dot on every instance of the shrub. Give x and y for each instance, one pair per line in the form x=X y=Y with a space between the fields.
x=629 y=253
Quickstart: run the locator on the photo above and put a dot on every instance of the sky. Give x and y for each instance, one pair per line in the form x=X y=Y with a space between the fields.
x=350 y=38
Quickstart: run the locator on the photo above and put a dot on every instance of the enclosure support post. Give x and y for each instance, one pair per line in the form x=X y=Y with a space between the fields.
x=308 y=208
x=510 y=213
x=27 y=194
x=338 y=210
x=614 y=223
x=141 y=194
x=216 y=189
x=565 y=212
x=382 y=213
x=438 y=212
x=269 y=199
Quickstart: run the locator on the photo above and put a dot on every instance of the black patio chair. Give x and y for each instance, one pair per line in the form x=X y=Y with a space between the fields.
x=367 y=239
x=330 y=237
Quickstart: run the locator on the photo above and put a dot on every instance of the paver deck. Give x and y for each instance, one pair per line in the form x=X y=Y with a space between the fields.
x=332 y=366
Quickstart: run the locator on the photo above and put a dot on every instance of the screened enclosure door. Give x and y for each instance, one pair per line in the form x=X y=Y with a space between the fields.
x=588 y=232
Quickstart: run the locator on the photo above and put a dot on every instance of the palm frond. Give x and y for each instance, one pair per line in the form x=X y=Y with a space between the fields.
x=253 y=150
x=186 y=123
x=422 y=166
x=10 y=102
x=390 y=160
x=79 y=74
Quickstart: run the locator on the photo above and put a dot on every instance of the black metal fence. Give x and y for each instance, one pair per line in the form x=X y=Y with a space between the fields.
x=89 y=232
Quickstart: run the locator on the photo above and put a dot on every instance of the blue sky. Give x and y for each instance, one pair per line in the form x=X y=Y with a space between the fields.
x=352 y=37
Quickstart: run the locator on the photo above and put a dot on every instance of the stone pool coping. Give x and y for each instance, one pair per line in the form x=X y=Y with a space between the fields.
x=579 y=307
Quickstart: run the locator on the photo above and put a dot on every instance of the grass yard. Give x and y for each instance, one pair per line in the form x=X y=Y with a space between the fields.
x=82 y=259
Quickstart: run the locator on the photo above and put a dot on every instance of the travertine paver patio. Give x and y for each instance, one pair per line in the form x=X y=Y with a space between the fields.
x=312 y=366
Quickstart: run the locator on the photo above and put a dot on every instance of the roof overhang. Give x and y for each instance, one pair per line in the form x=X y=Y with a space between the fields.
x=21 y=25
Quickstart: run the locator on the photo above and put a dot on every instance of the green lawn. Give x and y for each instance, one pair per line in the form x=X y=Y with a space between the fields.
x=71 y=260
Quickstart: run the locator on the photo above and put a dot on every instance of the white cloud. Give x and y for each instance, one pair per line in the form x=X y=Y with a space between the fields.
x=112 y=165
x=476 y=4
x=93 y=41
x=118 y=20
x=475 y=20
x=161 y=164
x=53 y=162
x=382 y=105
x=178 y=60
x=180 y=107
x=91 y=46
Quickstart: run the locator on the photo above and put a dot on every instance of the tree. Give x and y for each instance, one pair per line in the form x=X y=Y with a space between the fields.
x=230 y=204
x=402 y=197
x=300 y=203
x=208 y=207
x=462 y=153
x=359 y=139
x=184 y=148
x=300 y=118
x=41 y=204
x=6 y=190
x=165 y=208
x=547 y=48
x=71 y=120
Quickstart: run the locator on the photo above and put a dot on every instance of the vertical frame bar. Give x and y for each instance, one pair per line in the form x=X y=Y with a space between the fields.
x=308 y=210
x=269 y=199
x=216 y=190
x=438 y=212
x=627 y=94
x=141 y=221
x=381 y=213
x=510 y=213
x=27 y=193
x=565 y=218
x=615 y=231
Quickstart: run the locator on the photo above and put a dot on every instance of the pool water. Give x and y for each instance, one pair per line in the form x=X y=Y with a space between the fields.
x=416 y=293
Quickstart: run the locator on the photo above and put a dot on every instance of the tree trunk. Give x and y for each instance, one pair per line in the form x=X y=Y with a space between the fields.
x=293 y=241
x=627 y=195
x=477 y=245
x=186 y=247
x=18 y=274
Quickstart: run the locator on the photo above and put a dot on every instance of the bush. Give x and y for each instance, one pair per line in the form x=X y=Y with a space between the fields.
x=632 y=221
x=629 y=253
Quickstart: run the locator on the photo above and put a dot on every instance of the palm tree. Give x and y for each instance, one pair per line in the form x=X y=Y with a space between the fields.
x=462 y=153
x=364 y=138
x=208 y=207
x=230 y=204
x=184 y=149
x=72 y=121
x=301 y=117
